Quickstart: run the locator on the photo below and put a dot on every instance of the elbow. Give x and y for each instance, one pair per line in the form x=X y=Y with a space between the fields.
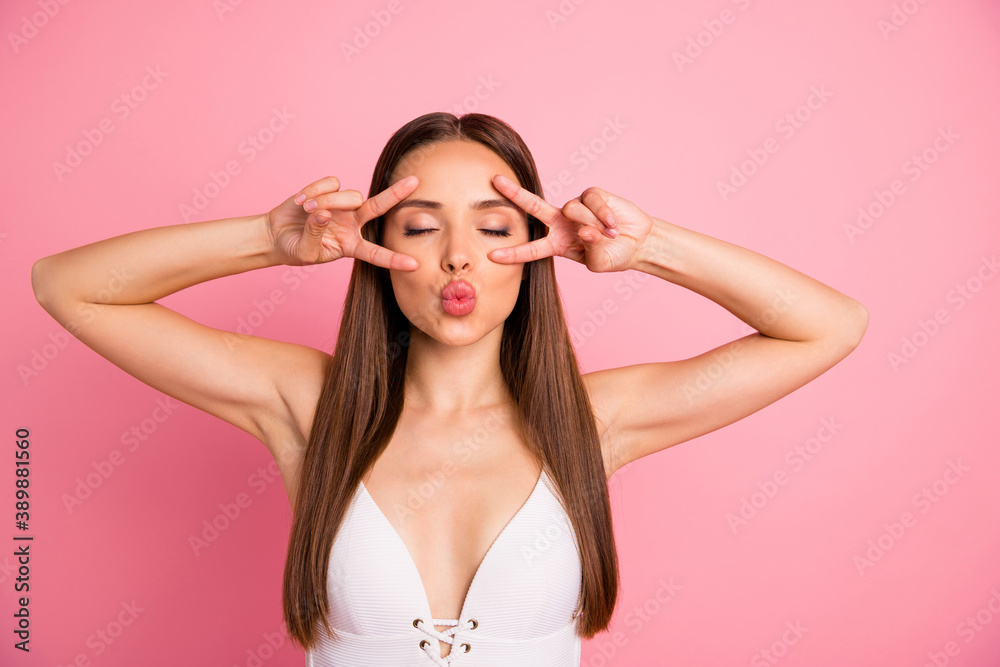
x=856 y=324
x=41 y=283
x=845 y=332
x=37 y=281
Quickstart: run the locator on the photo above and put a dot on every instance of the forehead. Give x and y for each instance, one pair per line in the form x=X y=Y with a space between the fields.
x=453 y=165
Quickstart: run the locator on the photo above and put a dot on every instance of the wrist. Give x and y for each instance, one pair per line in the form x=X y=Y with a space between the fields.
x=260 y=245
x=653 y=255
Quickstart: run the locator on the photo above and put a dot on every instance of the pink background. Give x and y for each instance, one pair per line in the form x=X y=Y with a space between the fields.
x=682 y=128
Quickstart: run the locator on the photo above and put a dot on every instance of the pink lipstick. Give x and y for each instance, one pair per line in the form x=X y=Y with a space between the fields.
x=458 y=298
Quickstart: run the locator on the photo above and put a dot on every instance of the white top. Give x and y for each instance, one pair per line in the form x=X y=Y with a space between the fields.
x=519 y=609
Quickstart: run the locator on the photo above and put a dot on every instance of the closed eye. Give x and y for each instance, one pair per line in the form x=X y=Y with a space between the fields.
x=491 y=232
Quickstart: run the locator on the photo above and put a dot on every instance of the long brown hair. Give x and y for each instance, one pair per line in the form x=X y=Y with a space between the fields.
x=362 y=398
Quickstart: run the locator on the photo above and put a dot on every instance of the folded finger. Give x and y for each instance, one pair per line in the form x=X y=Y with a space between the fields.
x=596 y=200
x=587 y=219
x=577 y=212
x=325 y=184
x=342 y=200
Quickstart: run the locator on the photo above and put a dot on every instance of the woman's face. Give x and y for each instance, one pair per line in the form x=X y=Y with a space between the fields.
x=449 y=224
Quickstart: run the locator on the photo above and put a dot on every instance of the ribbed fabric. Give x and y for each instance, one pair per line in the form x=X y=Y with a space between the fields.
x=523 y=596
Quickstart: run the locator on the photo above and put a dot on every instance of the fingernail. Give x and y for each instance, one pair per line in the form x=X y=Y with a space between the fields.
x=612 y=233
x=310 y=205
x=299 y=198
x=611 y=219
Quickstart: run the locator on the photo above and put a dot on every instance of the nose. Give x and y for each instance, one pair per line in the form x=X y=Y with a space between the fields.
x=457 y=253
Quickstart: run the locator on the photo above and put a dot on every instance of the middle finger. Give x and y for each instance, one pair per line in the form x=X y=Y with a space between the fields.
x=383 y=201
x=531 y=203
x=581 y=214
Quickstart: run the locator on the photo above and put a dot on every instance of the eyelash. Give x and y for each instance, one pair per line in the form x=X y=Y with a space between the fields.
x=491 y=232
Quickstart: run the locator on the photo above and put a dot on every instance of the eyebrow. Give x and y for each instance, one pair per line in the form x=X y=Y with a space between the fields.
x=480 y=205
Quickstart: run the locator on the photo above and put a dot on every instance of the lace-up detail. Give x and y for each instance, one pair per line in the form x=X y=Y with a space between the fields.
x=381 y=614
x=433 y=650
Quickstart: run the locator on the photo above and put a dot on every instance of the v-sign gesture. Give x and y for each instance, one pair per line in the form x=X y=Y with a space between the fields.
x=598 y=229
x=322 y=223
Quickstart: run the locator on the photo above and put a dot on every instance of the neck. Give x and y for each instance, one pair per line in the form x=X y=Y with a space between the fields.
x=454 y=378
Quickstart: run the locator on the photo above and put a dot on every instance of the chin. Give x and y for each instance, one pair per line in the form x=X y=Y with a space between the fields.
x=456 y=331
x=451 y=330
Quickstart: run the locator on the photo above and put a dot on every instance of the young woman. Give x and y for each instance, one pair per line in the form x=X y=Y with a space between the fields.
x=447 y=465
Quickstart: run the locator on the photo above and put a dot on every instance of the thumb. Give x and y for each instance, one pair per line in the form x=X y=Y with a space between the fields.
x=312 y=238
x=591 y=238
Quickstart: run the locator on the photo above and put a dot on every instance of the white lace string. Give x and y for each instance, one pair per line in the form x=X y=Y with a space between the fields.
x=433 y=650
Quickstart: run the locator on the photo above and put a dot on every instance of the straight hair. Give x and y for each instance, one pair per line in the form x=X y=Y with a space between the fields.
x=362 y=398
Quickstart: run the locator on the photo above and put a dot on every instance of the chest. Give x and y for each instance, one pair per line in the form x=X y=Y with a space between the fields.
x=520 y=603
x=448 y=494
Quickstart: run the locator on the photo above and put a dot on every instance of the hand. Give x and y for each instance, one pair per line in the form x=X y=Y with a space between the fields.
x=333 y=229
x=598 y=229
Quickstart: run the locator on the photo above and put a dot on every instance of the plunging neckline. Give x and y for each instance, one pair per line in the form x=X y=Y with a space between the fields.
x=497 y=539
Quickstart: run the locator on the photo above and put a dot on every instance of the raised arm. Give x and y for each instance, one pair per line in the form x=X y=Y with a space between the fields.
x=104 y=293
x=804 y=328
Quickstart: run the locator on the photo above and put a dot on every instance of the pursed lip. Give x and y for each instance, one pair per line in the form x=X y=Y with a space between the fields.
x=458 y=289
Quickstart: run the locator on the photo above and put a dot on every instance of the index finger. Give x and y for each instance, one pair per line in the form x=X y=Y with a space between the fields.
x=375 y=206
x=532 y=204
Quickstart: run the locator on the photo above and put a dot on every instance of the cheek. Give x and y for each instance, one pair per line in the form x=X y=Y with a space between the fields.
x=412 y=296
x=507 y=283
x=403 y=285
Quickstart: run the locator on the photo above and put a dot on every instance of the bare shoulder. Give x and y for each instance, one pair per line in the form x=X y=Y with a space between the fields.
x=647 y=408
